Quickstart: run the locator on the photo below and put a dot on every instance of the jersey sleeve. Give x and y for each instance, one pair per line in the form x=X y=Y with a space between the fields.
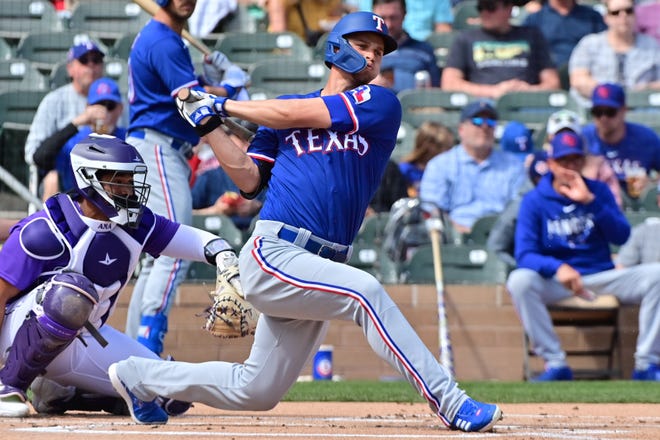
x=369 y=109
x=161 y=233
x=176 y=71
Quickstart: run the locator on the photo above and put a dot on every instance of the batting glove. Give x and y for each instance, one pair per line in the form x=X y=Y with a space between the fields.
x=219 y=106
x=198 y=106
x=234 y=79
x=215 y=65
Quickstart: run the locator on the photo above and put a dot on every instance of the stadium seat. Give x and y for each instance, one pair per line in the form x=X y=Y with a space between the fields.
x=533 y=108
x=108 y=19
x=122 y=46
x=434 y=104
x=587 y=317
x=6 y=51
x=245 y=48
x=405 y=141
x=222 y=226
x=461 y=264
x=441 y=43
x=17 y=74
x=20 y=17
x=480 y=230
x=20 y=106
x=47 y=49
x=466 y=15
x=288 y=76
x=368 y=253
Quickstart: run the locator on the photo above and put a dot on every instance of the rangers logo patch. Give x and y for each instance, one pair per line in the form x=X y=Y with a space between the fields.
x=361 y=94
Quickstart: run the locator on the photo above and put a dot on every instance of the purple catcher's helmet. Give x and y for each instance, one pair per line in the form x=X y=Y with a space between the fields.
x=103 y=153
x=340 y=53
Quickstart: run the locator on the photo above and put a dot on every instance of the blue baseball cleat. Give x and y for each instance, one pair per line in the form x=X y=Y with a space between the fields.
x=145 y=413
x=651 y=373
x=554 y=374
x=475 y=416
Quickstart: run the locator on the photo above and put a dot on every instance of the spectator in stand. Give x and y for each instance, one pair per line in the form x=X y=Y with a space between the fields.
x=501 y=239
x=210 y=16
x=104 y=108
x=473 y=179
x=412 y=56
x=517 y=139
x=499 y=58
x=432 y=138
x=308 y=18
x=423 y=17
x=562 y=249
x=648 y=18
x=618 y=55
x=642 y=246
x=64 y=104
x=392 y=188
x=632 y=150
x=563 y=24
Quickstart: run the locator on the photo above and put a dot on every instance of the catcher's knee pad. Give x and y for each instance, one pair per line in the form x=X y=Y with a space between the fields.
x=68 y=300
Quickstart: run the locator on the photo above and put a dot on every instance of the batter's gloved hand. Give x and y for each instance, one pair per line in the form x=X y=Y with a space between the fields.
x=215 y=65
x=195 y=108
x=219 y=106
x=234 y=80
x=231 y=315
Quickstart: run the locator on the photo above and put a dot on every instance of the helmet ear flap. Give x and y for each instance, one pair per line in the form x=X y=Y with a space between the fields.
x=344 y=56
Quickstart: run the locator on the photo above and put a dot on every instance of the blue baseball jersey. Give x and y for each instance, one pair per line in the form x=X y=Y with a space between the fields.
x=158 y=67
x=640 y=147
x=313 y=169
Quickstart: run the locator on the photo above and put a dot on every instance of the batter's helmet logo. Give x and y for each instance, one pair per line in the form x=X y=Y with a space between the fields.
x=340 y=53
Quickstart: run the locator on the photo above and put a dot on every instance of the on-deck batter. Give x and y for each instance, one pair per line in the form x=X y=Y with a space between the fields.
x=322 y=159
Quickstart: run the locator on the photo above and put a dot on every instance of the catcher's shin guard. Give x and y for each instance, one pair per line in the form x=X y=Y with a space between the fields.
x=66 y=303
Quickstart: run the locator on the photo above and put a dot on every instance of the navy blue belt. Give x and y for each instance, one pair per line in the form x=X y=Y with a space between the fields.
x=184 y=147
x=315 y=247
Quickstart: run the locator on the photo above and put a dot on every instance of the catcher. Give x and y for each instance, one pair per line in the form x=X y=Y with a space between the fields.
x=62 y=270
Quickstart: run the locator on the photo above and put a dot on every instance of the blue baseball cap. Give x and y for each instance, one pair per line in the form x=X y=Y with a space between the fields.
x=78 y=50
x=103 y=89
x=608 y=95
x=517 y=138
x=476 y=108
x=566 y=143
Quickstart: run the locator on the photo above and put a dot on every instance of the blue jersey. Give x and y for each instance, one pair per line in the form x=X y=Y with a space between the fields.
x=159 y=66
x=314 y=169
x=639 y=148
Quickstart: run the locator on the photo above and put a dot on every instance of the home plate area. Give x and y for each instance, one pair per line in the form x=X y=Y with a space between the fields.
x=330 y=420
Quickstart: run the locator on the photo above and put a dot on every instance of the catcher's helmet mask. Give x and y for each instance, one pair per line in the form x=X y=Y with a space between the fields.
x=95 y=161
x=338 y=50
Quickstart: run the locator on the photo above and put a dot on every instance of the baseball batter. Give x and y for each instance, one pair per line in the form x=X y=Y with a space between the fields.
x=160 y=66
x=322 y=156
x=62 y=270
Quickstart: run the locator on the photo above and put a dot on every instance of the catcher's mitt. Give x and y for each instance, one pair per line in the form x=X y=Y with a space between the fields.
x=231 y=315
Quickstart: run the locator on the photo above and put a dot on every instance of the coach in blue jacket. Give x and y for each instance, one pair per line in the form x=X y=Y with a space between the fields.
x=564 y=229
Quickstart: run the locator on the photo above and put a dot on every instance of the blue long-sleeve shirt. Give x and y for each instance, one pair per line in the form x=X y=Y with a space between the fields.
x=552 y=230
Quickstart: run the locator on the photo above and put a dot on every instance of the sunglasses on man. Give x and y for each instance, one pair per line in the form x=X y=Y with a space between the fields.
x=91 y=58
x=627 y=11
x=599 y=112
x=491 y=123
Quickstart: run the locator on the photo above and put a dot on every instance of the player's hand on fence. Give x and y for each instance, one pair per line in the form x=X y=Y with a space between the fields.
x=198 y=109
x=215 y=65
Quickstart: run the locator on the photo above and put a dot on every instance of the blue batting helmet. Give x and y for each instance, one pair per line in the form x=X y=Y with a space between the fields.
x=340 y=53
x=162 y=3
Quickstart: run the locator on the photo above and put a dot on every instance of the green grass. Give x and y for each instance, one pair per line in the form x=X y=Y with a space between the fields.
x=500 y=392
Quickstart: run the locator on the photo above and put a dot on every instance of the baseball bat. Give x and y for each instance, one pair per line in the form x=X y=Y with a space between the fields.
x=151 y=7
x=234 y=127
x=446 y=352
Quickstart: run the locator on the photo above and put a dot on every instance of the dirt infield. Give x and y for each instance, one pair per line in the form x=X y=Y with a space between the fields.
x=351 y=420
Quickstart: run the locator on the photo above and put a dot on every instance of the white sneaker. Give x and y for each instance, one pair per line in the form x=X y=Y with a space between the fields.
x=13 y=402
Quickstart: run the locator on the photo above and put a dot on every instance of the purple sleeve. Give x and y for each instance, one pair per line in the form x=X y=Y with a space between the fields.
x=160 y=236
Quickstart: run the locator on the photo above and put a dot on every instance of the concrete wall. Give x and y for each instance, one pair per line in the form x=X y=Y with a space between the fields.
x=485 y=332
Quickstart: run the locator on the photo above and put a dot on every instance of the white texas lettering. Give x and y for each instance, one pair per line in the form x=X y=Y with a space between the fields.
x=326 y=141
